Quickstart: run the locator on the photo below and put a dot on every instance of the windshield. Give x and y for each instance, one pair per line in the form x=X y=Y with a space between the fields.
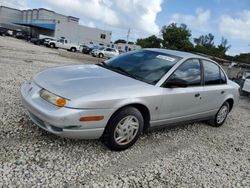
x=145 y=65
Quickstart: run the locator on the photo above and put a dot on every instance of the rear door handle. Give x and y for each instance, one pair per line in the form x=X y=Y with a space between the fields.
x=222 y=92
x=197 y=95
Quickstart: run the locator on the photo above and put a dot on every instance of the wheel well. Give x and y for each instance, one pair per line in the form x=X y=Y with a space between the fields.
x=144 y=112
x=231 y=103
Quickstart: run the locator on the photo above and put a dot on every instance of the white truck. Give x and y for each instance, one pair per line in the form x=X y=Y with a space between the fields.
x=64 y=44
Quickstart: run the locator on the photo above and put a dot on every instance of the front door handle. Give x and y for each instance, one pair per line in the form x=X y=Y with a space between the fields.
x=197 y=95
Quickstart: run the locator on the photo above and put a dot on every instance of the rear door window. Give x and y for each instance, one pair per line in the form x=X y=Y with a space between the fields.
x=211 y=73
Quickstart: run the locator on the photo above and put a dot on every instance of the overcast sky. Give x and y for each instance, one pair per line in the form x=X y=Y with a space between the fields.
x=228 y=18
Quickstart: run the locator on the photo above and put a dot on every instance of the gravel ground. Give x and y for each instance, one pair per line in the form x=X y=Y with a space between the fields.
x=194 y=155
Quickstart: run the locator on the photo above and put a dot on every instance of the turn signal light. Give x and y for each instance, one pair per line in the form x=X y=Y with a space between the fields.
x=92 y=118
x=60 y=102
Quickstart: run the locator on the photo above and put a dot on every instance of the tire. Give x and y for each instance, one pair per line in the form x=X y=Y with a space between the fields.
x=220 y=116
x=100 y=55
x=73 y=49
x=52 y=45
x=118 y=134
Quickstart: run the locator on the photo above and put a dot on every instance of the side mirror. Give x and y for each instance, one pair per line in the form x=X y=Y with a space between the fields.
x=175 y=82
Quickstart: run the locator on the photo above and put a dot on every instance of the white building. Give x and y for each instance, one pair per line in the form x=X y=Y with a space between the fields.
x=126 y=47
x=50 y=23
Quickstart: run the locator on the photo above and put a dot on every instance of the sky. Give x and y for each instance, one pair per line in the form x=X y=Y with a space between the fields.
x=222 y=18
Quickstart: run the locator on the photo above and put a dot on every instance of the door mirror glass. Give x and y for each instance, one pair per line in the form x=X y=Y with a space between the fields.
x=176 y=82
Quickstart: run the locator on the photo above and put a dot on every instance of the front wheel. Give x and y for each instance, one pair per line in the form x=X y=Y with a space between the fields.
x=73 y=49
x=100 y=55
x=221 y=115
x=123 y=129
x=52 y=45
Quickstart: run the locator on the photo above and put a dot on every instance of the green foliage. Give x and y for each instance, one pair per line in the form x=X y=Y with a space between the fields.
x=205 y=40
x=205 y=45
x=244 y=58
x=176 y=37
x=223 y=46
x=149 y=42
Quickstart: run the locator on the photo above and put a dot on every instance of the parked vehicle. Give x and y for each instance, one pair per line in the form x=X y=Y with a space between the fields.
x=3 y=31
x=22 y=35
x=10 y=33
x=246 y=74
x=85 y=49
x=47 y=41
x=136 y=91
x=246 y=82
x=105 y=52
x=35 y=41
x=42 y=41
x=64 y=44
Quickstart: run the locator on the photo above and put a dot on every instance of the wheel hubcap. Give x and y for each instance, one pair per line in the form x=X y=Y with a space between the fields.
x=126 y=130
x=222 y=114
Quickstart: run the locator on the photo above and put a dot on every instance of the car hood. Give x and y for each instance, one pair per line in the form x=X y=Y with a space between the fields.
x=78 y=81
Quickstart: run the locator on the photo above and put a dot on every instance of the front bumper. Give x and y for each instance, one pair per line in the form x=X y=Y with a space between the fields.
x=62 y=121
x=95 y=53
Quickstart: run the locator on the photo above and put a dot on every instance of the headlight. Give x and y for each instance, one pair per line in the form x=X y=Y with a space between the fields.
x=52 y=98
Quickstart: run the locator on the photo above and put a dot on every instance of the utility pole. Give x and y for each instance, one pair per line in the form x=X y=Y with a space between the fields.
x=128 y=35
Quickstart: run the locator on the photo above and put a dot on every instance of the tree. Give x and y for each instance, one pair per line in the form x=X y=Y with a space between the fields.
x=223 y=46
x=244 y=58
x=205 y=45
x=205 y=40
x=176 y=37
x=120 y=41
x=149 y=42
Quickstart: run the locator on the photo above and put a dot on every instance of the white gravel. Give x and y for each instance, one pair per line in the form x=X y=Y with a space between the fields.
x=194 y=155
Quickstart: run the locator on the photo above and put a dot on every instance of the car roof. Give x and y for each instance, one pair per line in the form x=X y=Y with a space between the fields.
x=176 y=53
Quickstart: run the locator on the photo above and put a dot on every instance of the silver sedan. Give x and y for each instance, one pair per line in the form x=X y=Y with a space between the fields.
x=120 y=98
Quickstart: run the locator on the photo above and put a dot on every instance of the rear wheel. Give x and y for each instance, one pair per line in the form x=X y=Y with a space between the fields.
x=123 y=129
x=221 y=115
x=100 y=55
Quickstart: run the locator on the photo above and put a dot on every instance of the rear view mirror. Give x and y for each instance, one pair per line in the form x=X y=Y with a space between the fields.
x=175 y=82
